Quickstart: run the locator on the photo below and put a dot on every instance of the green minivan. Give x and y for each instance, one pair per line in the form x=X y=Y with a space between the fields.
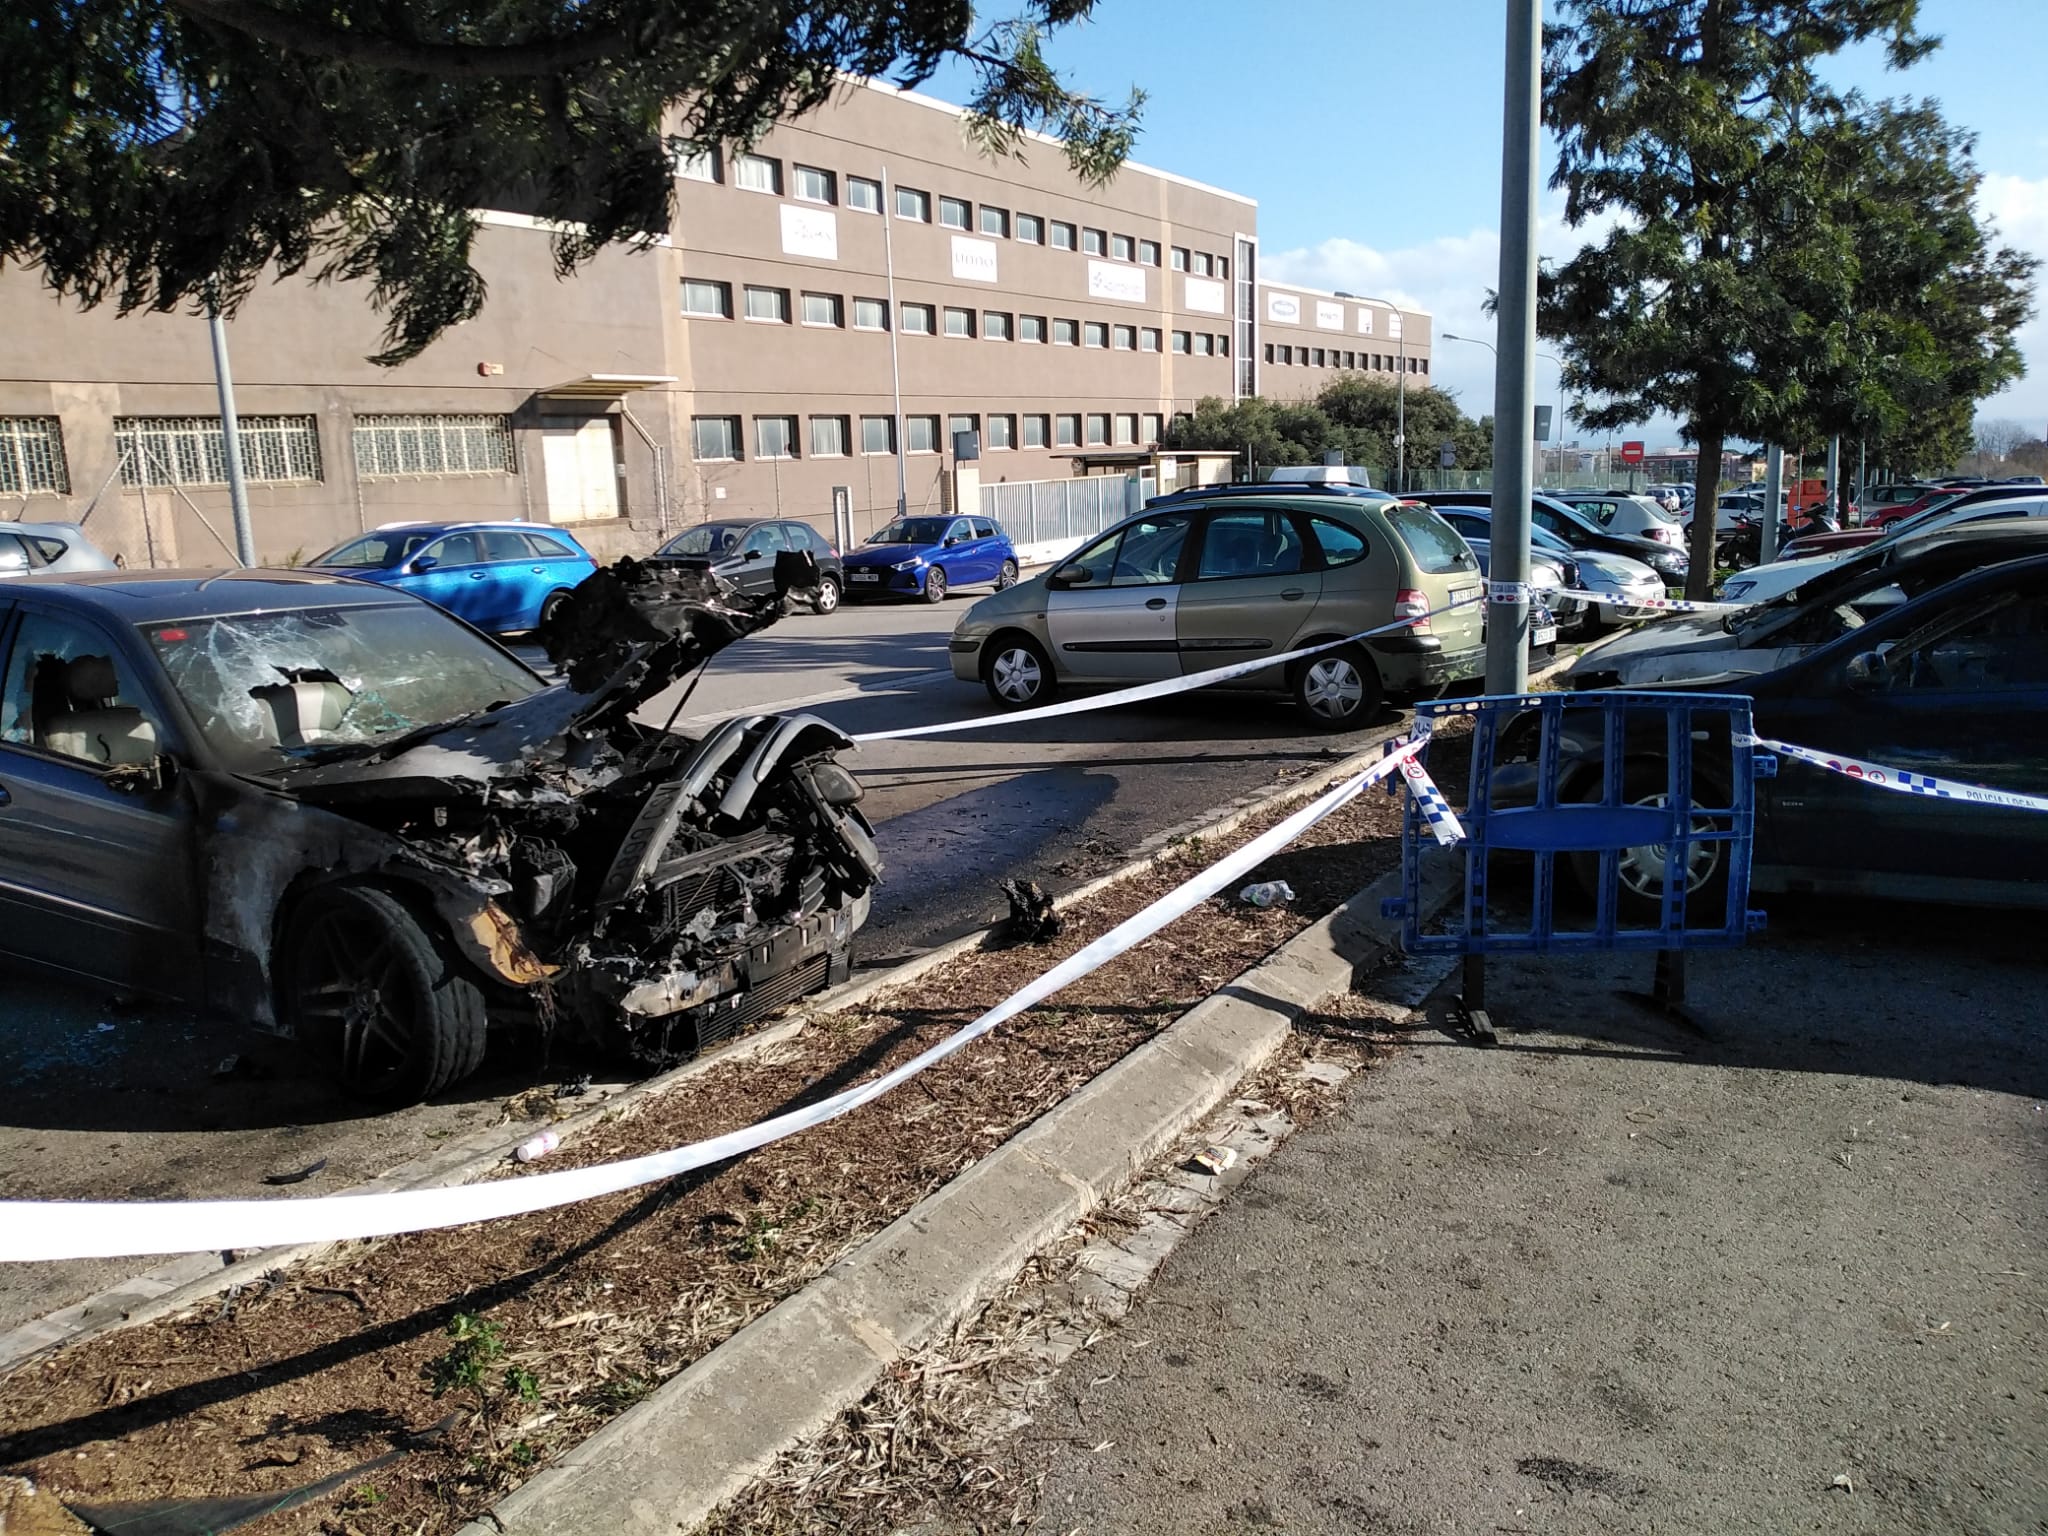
x=1195 y=583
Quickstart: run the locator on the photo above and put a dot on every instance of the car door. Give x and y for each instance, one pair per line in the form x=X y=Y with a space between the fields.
x=511 y=582
x=555 y=562
x=1250 y=591
x=1956 y=689
x=988 y=549
x=1110 y=610
x=94 y=879
x=450 y=573
x=753 y=564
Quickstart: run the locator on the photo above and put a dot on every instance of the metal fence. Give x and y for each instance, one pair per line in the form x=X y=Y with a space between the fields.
x=1048 y=511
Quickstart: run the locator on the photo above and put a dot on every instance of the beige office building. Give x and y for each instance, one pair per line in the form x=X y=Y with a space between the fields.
x=832 y=313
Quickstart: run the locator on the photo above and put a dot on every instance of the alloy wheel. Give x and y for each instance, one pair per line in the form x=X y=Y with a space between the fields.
x=1641 y=868
x=1333 y=688
x=1017 y=675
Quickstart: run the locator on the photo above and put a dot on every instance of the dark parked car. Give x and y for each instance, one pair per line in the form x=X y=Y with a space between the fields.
x=501 y=577
x=1579 y=531
x=743 y=551
x=926 y=557
x=329 y=809
x=1953 y=684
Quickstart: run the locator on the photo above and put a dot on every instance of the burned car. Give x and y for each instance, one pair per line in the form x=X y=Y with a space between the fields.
x=334 y=811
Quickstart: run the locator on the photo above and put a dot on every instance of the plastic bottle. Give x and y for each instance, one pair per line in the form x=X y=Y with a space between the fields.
x=1267 y=893
x=536 y=1147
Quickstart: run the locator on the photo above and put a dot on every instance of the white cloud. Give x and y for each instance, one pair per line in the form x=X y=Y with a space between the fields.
x=2019 y=208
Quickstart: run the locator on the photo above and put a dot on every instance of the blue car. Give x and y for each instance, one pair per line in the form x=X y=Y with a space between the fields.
x=927 y=557
x=498 y=576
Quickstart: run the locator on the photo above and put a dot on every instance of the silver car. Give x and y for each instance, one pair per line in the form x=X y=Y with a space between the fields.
x=27 y=549
x=1618 y=584
x=1622 y=512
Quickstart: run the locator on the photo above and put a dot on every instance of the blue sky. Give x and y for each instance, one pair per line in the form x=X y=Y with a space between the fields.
x=1370 y=134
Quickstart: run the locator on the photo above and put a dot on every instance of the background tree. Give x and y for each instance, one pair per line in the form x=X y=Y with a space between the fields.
x=156 y=152
x=1997 y=437
x=1352 y=415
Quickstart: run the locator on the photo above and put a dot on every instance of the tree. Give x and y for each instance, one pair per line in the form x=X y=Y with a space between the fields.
x=159 y=153
x=1999 y=437
x=1371 y=408
x=1352 y=416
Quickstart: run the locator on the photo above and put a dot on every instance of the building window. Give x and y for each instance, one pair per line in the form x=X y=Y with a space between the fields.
x=913 y=205
x=1030 y=229
x=1222 y=344
x=829 y=436
x=1180 y=341
x=32 y=456
x=1002 y=433
x=916 y=319
x=1125 y=338
x=1271 y=355
x=757 y=173
x=714 y=437
x=1095 y=333
x=1148 y=253
x=1149 y=428
x=1065 y=333
x=824 y=309
x=1202 y=264
x=871 y=314
x=1069 y=430
x=959 y=322
x=863 y=195
x=698 y=164
x=768 y=304
x=814 y=185
x=189 y=450
x=1062 y=236
x=1204 y=343
x=1223 y=267
x=711 y=301
x=877 y=434
x=1031 y=328
x=395 y=447
x=1316 y=357
x=774 y=437
x=1098 y=429
x=1035 y=428
x=995 y=325
x=955 y=425
x=953 y=212
x=1126 y=430
x=1422 y=365
x=1148 y=340
x=995 y=221
x=1120 y=247
x=1180 y=258
x=1092 y=242
x=920 y=434
x=1287 y=355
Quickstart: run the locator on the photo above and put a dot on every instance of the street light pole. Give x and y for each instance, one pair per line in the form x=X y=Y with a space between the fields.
x=230 y=434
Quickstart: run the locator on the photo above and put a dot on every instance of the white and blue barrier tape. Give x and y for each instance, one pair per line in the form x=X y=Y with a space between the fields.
x=1903 y=780
x=35 y=1230
x=1662 y=604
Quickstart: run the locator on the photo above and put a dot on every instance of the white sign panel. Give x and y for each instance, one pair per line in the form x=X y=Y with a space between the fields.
x=1205 y=297
x=812 y=232
x=974 y=261
x=1329 y=317
x=1394 y=326
x=1365 y=322
x=1108 y=280
x=1284 y=307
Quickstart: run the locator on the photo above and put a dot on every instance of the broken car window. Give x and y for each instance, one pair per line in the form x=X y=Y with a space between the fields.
x=265 y=687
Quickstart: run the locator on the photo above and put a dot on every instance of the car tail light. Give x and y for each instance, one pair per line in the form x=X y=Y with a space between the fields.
x=1410 y=604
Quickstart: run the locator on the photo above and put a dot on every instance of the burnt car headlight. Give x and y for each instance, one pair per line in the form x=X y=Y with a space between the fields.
x=836 y=786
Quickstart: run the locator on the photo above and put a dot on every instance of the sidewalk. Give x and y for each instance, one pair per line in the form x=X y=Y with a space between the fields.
x=1617 y=1277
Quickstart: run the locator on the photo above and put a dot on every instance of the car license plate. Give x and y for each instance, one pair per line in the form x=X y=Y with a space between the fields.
x=864 y=575
x=1464 y=594
x=1545 y=635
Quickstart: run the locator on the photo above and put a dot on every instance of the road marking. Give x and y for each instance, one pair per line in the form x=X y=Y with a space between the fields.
x=901 y=685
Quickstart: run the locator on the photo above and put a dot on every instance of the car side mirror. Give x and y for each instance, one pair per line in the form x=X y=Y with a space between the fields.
x=425 y=563
x=752 y=554
x=1867 y=673
x=152 y=777
x=952 y=539
x=1059 y=581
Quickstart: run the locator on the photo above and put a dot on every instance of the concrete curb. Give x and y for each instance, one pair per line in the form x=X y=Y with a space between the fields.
x=671 y=1460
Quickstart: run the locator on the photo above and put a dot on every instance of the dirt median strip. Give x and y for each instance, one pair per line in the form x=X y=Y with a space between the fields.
x=540 y=1328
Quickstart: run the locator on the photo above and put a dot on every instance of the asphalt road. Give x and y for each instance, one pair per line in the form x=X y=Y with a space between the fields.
x=118 y=1099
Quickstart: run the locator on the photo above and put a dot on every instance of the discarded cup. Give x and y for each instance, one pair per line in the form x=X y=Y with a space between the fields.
x=1267 y=893
x=536 y=1147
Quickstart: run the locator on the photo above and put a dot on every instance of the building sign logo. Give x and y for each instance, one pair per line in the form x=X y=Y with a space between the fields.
x=1205 y=297
x=1394 y=326
x=810 y=232
x=974 y=261
x=1107 y=280
x=1365 y=322
x=1284 y=308
x=1329 y=317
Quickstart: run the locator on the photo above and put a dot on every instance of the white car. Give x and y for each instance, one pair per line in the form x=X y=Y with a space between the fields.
x=29 y=548
x=1621 y=512
x=1761 y=583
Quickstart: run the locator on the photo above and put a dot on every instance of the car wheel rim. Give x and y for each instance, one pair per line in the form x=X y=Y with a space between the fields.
x=1008 y=578
x=1641 y=868
x=936 y=583
x=352 y=979
x=828 y=596
x=1333 y=688
x=1017 y=676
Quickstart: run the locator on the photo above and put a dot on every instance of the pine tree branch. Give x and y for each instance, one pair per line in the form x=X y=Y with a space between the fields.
x=447 y=61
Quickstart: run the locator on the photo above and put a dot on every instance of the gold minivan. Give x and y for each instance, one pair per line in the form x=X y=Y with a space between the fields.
x=1196 y=581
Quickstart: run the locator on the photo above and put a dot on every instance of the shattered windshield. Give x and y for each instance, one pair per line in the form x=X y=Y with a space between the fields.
x=913 y=530
x=266 y=688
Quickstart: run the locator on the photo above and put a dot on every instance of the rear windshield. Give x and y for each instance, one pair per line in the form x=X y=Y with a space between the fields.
x=707 y=539
x=1433 y=542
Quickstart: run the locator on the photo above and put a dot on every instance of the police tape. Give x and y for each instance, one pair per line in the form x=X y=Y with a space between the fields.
x=1436 y=810
x=1662 y=604
x=36 y=1230
x=1902 y=780
x=1164 y=688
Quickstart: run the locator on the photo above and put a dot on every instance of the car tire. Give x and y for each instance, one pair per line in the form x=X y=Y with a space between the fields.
x=1006 y=578
x=365 y=986
x=935 y=585
x=1017 y=672
x=551 y=605
x=1340 y=690
x=827 y=600
x=1640 y=884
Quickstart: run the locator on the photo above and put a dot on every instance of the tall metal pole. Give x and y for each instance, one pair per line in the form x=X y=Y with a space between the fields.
x=1774 y=485
x=895 y=363
x=1401 y=409
x=231 y=436
x=1834 y=475
x=1514 y=376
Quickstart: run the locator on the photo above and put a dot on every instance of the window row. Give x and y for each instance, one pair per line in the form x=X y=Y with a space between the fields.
x=863 y=194
x=1332 y=357
x=707 y=299
x=722 y=439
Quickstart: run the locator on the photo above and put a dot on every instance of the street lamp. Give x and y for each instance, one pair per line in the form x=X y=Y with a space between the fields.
x=1400 y=389
x=1558 y=425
